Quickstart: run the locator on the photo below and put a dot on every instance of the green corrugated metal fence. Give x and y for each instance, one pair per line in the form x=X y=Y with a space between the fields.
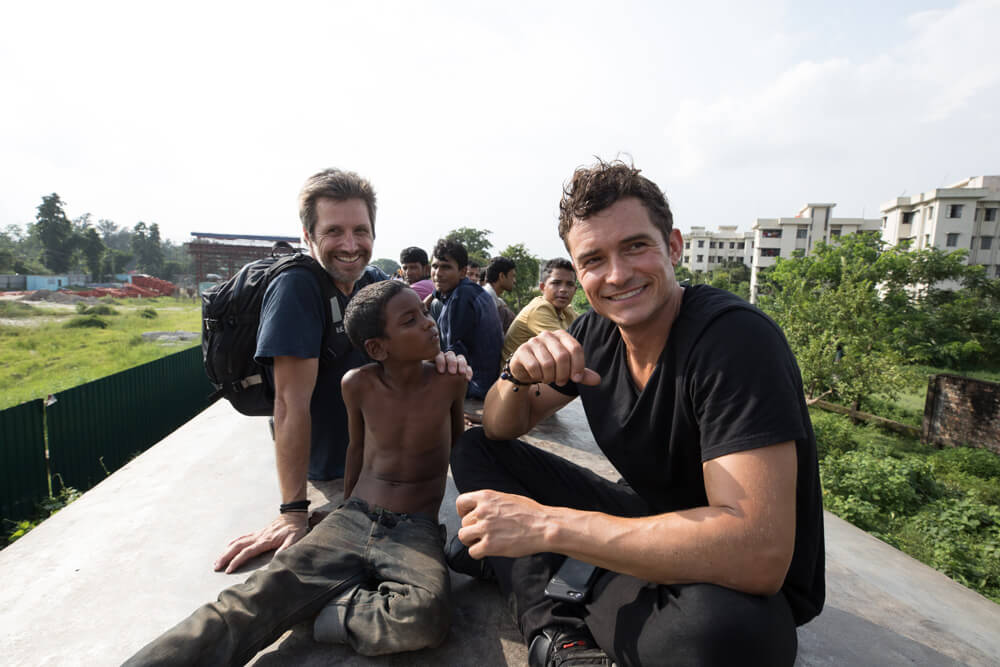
x=95 y=428
x=23 y=478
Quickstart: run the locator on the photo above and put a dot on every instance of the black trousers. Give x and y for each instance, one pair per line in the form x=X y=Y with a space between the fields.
x=636 y=622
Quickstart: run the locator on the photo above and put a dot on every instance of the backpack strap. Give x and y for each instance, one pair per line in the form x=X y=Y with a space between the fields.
x=335 y=341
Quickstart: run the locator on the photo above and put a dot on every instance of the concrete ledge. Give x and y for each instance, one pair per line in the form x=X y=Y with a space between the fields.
x=133 y=556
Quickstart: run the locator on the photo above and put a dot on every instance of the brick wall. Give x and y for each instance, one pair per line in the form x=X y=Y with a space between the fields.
x=962 y=412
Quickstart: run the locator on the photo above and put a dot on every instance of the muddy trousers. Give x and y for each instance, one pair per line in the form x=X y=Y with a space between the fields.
x=636 y=622
x=376 y=579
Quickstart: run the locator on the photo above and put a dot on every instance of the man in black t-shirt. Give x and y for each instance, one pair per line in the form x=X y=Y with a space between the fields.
x=712 y=551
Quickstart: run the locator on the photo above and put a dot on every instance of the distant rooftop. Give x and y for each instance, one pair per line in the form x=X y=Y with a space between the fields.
x=245 y=237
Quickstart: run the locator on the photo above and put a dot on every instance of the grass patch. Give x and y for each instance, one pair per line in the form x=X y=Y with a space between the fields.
x=16 y=309
x=48 y=358
x=941 y=506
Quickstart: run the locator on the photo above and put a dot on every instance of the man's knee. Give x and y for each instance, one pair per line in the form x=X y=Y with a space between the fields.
x=710 y=625
x=469 y=455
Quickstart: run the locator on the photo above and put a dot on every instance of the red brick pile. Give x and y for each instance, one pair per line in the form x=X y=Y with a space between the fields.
x=141 y=286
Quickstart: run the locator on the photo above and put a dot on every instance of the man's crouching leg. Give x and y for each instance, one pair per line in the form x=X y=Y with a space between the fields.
x=639 y=623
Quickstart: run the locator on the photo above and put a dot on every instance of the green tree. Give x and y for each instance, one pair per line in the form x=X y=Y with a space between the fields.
x=93 y=252
x=114 y=262
x=476 y=243
x=830 y=309
x=55 y=233
x=526 y=287
x=147 y=249
x=113 y=236
x=387 y=265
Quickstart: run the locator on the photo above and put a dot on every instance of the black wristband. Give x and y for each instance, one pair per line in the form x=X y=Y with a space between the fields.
x=505 y=374
x=294 y=506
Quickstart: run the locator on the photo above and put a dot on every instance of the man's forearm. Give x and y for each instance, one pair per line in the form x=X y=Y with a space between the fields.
x=292 y=434
x=705 y=544
x=506 y=413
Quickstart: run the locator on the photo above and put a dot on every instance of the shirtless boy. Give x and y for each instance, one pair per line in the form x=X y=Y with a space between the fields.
x=372 y=573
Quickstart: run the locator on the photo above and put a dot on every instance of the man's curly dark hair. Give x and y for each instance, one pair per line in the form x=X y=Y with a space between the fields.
x=593 y=189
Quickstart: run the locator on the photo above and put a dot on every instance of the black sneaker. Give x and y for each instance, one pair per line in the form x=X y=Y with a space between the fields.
x=564 y=647
x=457 y=556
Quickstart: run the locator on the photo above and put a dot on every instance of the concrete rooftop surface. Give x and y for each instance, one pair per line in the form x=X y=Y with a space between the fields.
x=133 y=556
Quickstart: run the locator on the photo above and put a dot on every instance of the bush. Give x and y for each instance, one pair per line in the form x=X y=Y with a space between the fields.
x=960 y=537
x=85 y=321
x=979 y=462
x=15 y=309
x=883 y=407
x=873 y=491
x=834 y=433
x=148 y=313
x=99 y=309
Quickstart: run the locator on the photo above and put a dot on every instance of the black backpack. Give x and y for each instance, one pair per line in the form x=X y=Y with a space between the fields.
x=230 y=315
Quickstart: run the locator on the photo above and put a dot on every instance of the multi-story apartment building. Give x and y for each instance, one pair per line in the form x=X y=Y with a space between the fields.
x=963 y=215
x=782 y=237
x=705 y=250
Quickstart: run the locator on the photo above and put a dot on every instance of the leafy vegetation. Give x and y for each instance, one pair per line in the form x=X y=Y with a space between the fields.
x=856 y=312
x=941 y=506
x=526 y=286
x=49 y=506
x=55 y=244
x=87 y=322
x=16 y=309
x=99 y=309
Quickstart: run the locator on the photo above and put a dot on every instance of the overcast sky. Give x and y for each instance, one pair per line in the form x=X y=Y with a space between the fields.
x=208 y=116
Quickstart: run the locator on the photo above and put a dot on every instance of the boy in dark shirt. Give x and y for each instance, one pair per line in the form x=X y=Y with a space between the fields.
x=469 y=322
x=373 y=570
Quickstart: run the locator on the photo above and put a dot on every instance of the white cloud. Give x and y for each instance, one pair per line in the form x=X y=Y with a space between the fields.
x=838 y=108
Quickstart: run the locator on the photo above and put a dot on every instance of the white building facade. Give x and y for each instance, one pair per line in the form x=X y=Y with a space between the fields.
x=963 y=215
x=782 y=237
x=706 y=250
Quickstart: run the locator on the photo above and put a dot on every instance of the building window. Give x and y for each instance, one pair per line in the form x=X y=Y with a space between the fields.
x=986 y=243
x=742 y=245
x=711 y=244
x=997 y=267
x=952 y=240
x=687 y=259
x=883 y=222
x=927 y=240
x=732 y=244
x=835 y=232
x=771 y=233
x=770 y=252
x=701 y=258
x=907 y=217
x=989 y=215
x=687 y=245
x=801 y=233
x=955 y=210
x=930 y=212
x=701 y=244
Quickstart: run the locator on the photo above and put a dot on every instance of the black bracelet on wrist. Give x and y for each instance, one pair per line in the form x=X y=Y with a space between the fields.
x=294 y=506
x=506 y=374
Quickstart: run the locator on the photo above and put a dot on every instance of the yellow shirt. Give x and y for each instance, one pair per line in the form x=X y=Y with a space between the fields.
x=536 y=317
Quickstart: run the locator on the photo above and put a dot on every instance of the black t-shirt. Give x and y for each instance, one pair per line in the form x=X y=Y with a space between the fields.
x=726 y=382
